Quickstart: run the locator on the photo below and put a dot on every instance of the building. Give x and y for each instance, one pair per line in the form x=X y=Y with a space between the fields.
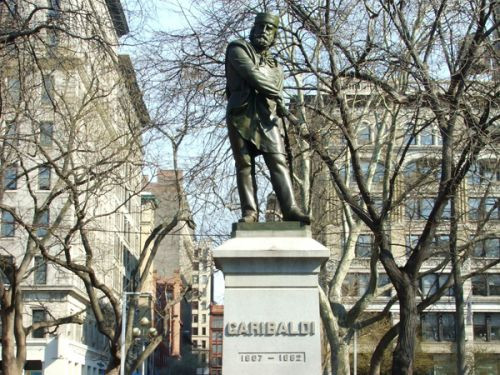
x=216 y=334
x=201 y=297
x=168 y=320
x=477 y=212
x=175 y=254
x=71 y=156
x=173 y=268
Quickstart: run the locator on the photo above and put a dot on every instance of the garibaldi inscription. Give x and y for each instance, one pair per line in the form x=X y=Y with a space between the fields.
x=254 y=89
x=270 y=328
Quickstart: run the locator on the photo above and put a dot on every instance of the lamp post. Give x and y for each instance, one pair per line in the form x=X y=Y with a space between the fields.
x=136 y=332
x=355 y=354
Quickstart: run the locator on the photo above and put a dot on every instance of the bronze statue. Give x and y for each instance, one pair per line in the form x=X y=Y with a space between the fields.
x=255 y=103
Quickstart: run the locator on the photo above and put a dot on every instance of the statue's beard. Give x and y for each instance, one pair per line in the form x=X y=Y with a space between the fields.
x=260 y=42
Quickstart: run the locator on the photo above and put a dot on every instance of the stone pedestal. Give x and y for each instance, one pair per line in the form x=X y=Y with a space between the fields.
x=271 y=303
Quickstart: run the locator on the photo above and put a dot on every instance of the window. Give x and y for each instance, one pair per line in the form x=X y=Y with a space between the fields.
x=483 y=173
x=11 y=7
x=195 y=318
x=44 y=177
x=217 y=336
x=48 y=89
x=482 y=208
x=217 y=321
x=194 y=305
x=42 y=223
x=440 y=244
x=195 y=279
x=410 y=136
x=11 y=134
x=421 y=168
x=429 y=137
x=486 y=326
x=8 y=224
x=437 y=326
x=355 y=284
x=486 y=285
x=38 y=316
x=55 y=8
x=378 y=175
x=40 y=271
x=487 y=248
x=204 y=280
x=432 y=282
x=425 y=207
x=426 y=137
x=419 y=209
x=486 y=364
x=46 y=133
x=365 y=134
x=383 y=280
x=6 y=269
x=217 y=361
x=364 y=246
x=10 y=177
x=195 y=331
x=446 y=215
x=216 y=347
x=52 y=39
x=411 y=242
x=196 y=266
x=14 y=89
x=349 y=286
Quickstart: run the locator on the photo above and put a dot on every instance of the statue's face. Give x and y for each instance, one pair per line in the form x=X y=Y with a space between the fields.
x=263 y=34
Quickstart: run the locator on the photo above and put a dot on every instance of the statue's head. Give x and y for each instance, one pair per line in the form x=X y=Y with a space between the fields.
x=263 y=32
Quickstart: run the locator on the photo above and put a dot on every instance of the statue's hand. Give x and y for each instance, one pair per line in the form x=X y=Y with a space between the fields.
x=281 y=109
x=299 y=124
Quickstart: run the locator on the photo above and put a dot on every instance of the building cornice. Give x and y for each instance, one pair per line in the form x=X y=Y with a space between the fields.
x=128 y=73
x=118 y=17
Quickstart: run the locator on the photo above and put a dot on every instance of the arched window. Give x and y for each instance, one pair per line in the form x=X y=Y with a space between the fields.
x=483 y=172
x=421 y=169
x=365 y=134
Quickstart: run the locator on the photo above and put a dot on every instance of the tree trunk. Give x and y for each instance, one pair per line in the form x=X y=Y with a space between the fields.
x=378 y=354
x=340 y=359
x=459 y=295
x=113 y=370
x=10 y=364
x=113 y=365
x=403 y=355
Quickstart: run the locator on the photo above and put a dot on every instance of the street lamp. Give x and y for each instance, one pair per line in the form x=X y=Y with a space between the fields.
x=136 y=332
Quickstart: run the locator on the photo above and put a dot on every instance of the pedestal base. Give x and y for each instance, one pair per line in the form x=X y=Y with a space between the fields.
x=271 y=303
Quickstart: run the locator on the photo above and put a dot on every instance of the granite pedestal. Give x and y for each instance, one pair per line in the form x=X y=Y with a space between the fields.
x=271 y=303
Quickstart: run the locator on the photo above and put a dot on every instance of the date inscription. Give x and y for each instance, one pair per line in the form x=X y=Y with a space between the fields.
x=272 y=357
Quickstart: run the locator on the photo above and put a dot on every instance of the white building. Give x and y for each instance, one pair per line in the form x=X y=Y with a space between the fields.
x=202 y=297
x=70 y=154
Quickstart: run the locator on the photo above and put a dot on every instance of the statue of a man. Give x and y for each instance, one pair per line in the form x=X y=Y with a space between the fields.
x=254 y=89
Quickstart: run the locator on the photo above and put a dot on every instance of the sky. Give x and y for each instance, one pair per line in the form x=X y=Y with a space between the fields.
x=166 y=15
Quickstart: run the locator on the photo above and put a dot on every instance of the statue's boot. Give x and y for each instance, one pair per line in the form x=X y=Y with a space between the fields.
x=282 y=185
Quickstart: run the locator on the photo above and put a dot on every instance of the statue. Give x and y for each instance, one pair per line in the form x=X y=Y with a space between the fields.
x=255 y=103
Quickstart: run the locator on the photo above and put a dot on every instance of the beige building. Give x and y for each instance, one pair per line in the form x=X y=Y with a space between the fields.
x=71 y=155
x=478 y=213
x=173 y=270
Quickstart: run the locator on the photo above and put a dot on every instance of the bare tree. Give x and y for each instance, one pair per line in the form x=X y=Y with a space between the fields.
x=395 y=102
x=72 y=118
